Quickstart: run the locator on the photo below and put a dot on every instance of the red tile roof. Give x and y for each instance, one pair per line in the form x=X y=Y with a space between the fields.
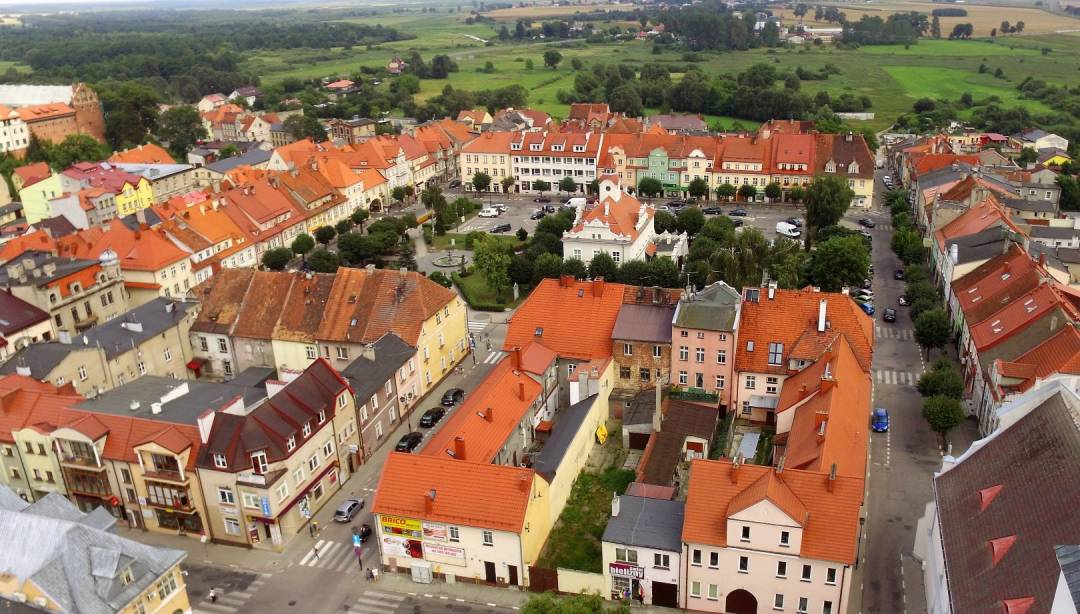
x=479 y=495
x=1016 y=315
x=769 y=487
x=992 y=284
x=1058 y=354
x=830 y=526
x=587 y=313
x=141 y=250
x=33 y=173
x=39 y=112
x=39 y=240
x=986 y=214
x=619 y=216
x=143 y=154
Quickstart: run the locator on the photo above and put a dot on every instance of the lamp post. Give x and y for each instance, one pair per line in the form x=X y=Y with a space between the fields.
x=406 y=411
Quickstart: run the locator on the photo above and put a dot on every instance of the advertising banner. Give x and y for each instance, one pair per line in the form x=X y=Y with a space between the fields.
x=402 y=547
x=442 y=553
x=626 y=570
x=435 y=531
x=396 y=525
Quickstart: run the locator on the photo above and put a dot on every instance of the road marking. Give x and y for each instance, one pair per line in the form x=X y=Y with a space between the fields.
x=888 y=332
x=477 y=327
x=311 y=553
x=373 y=602
x=493 y=357
x=895 y=378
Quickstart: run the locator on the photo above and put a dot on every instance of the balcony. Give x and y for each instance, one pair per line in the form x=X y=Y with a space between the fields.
x=165 y=475
x=181 y=504
x=76 y=461
x=87 y=484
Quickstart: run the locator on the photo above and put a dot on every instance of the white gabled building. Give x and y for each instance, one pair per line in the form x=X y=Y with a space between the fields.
x=641 y=547
x=553 y=156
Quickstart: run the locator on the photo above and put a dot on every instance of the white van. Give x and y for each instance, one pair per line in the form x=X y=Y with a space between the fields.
x=578 y=201
x=788 y=230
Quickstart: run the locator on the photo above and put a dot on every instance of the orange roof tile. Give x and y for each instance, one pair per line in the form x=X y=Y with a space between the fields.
x=986 y=214
x=143 y=154
x=831 y=527
x=587 y=313
x=39 y=112
x=1058 y=354
x=995 y=283
x=38 y=240
x=142 y=250
x=932 y=162
x=1016 y=315
x=620 y=216
x=491 y=142
x=479 y=495
x=769 y=487
x=33 y=173
x=263 y=304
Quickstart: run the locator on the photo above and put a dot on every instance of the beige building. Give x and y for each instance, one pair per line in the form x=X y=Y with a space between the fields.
x=166 y=180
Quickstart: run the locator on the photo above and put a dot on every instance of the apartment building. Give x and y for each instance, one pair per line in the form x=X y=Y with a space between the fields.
x=703 y=333
x=553 y=156
x=641 y=343
x=132 y=192
x=385 y=382
x=197 y=226
x=490 y=153
x=166 y=180
x=148 y=153
x=351 y=131
x=618 y=225
x=673 y=160
x=36 y=185
x=14 y=134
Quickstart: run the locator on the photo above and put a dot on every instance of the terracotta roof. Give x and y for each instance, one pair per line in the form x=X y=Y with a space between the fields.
x=488 y=417
x=258 y=200
x=303 y=309
x=471 y=115
x=39 y=112
x=791 y=318
x=769 y=487
x=221 y=298
x=1033 y=464
x=33 y=173
x=587 y=310
x=619 y=216
x=933 y=161
x=143 y=154
x=491 y=142
x=995 y=283
x=479 y=495
x=142 y=250
x=39 y=240
x=1058 y=354
x=536 y=358
x=364 y=305
x=1017 y=314
x=371 y=178
x=262 y=305
x=830 y=526
x=102 y=175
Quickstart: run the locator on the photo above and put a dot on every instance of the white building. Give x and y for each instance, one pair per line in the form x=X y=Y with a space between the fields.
x=552 y=156
x=14 y=135
x=618 y=225
x=641 y=548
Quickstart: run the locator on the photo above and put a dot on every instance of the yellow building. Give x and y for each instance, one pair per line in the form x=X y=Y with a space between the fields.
x=59 y=560
x=131 y=192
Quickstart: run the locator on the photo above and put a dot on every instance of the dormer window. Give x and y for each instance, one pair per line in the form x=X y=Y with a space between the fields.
x=290 y=443
x=322 y=415
x=534 y=147
x=258 y=463
x=830 y=167
x=579 y=148
x=515 y=146
x=853 y=168
x=307 y=429
x=220 y=462
x=556 y=148
x=126 y=577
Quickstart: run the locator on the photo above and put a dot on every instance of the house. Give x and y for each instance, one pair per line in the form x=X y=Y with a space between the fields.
x=641 y=546
x=1037 y=139
x=475 y=119
x=248 y=93
x=150 y=153
x=590 y=116
x=22 y=324
x=351 y=131
x=759 y=537
x=782 y=332
x=984 y=547
x=705 y=323
x=848 y=156
x=196 y=224
x=166 y=180
x=45 y=109
x=130 y=191
x=618 y=224
x=59 y=560
x=339 y=86
x=681 y=431
x=396 y=66
x=678 y=124
x=36 y=185
x=266 y=469
x=489 y=154
x=641 y=344
x=673 y=160
x=385 y=383
x=150 y=339
x=210 y=102
x=552 y=156
x=15 y=133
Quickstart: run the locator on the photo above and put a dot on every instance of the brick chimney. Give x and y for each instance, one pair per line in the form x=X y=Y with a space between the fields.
x=521 y=391
x=566 y=280
x=459 y=447
x=515 y=358
x=598 y=287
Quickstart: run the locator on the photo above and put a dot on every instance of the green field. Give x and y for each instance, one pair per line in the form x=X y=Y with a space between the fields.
x=892 y=76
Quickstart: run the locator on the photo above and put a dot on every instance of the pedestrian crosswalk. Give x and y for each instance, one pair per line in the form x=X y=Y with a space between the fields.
x=331 y=556
x=493 y=357
x=896 y=378
x=229 y=602
x=374 y=602
x=477 y=327
x=888 y=332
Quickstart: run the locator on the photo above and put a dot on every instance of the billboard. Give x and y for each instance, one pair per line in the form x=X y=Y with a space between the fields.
x=396 y=525
x=441 y=553
x=402 y=547
x=626 y=570
x=435 y=531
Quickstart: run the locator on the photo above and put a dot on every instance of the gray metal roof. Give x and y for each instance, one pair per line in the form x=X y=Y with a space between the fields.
x=980 y=245
x=644 y=323
x=64 y=266
x=26 y=95
x=647 y=523
x=567 y=424
x=714 y=307
x=251 y=158
x=366 y=376
x=186 y=399
x=1069 y=559
x=41 y=358
x=153 y=171
x=1021 y=204
x=1053 y=232
x=640 y=409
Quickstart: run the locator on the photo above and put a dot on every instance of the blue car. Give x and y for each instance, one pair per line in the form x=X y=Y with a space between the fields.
x=867 y=308
x=880 y=420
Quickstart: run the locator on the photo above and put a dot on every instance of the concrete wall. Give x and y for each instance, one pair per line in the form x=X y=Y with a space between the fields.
x=574 y=582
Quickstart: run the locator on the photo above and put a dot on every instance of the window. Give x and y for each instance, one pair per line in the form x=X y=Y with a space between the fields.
x=683 y=333
x=785 y=538
x=781 y=569
x=699 y=355
x=700 y=335
x=721 y=357
x=258 y=463
x=804 y=604
x=719 y=382
x=806 y=573
x=778 y=602
x=714 y=559
x=82 y=374
x=290 y=443
x=222 y=347
x=225 y=495
x=628 y=349
x=232 y=526
x=489 y=539
x=695 y=589
x=826 y=608
x=322 y=412
x=750 y=346
x=682 y=378
x=751 y=382
x=714 y=592
x=328 y=449
x=219 y=461
x=745 y=534
x=744 y=564
x=696 y=557
x=282 y=491
x=375 y=402
x=570 y=369
x=310 y=352
x=49 y=476
x=126 y=577
x=251 y=500
x=455 y=534
x=168 y=354
x=306 y=430
x=342 y=353
x=684 y=353
x=830 y=576
x=776 y=351
x=626 y=555
x=298 y=476
x=227 y=367
x=772 y=384
x=662 y=561
x=643 y=372
x=313 y=463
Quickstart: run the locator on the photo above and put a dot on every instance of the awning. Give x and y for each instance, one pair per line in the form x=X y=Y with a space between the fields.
x=196 y=363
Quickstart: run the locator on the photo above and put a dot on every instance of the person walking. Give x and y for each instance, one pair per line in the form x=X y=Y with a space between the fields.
x=213 y=596
x=315 y=549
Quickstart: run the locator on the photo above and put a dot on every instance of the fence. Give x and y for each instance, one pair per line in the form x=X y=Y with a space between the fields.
x=567 y=581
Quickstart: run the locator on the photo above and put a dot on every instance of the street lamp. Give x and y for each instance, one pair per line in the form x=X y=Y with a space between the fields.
x=406 y=411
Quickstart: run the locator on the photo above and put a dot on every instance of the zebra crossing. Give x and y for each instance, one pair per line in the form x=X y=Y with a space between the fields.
x=477 y=327
x=374 y=602
x=888 y=332
x=230 y=602
x=895 y=378
x=333 y=556
x=494 y=357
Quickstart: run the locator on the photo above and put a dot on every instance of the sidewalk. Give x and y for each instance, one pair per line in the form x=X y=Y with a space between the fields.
x=213 y=554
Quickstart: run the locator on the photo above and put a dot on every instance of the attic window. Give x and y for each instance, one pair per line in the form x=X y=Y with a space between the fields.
x=579 y=148
x=290 y=443
x=219 y=461
x=1005 y=276
x=126 y=577
x=307 y=429
x=539 y=331
x=580 y=292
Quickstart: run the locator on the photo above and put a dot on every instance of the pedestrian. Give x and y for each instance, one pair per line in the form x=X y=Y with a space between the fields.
x=213 y=596
x=488 y=342
x=360 y=558
x=375 y=574
x=311 y=529
x=315 y=549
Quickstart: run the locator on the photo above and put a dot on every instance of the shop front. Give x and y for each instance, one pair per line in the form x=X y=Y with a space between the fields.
x=626 y=581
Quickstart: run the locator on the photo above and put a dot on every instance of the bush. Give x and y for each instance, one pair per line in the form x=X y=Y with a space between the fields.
x=522 y=234
x=475 y=304
x=440 y=278
x=429 y=234
x=942 y=380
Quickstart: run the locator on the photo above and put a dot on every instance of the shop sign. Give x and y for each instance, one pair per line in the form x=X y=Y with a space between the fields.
x=440 y=550
x=265 y=502
x=396 y=525
x=253 y=533
x=626 y=570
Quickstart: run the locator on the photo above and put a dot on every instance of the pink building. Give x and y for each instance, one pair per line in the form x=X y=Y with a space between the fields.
x=703 y=340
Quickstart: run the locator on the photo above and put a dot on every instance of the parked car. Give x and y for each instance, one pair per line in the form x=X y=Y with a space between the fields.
x=866 y=222
x=880 y=420
x=712 y=211
x=864 y=296
x=364 y=531
x=887 y=180
x=866 y=235
x=539 y=213
x=664 y=208
x=867 y=283
x=890 y=315
x=675 y=204
x=737 y=222
x=409 y=442
x=542 y=199
x=452 y=397
x=432 y=416
x=898 y=274
x=348 y=509
x=903 y=301
x=739 y=212
x=548 y=208
x=501 y=208
x=454 y=183
x=867 y=308
x=501 y=228
x=488 y=212
x=795 y=221
x=787 y=230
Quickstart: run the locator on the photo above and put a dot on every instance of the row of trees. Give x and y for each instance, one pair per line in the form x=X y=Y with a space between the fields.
x=386 y=241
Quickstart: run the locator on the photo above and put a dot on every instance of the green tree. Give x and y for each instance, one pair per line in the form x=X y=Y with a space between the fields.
x=796 y=193
x=690 y=220
x=575 y=267
x=548 y=603
x=1027 y=156
x=360 y=216
x=548 y=266
x=302 y=244
x=665 y=222
x=325 y=234
x=603 y=265
x=481 y=181
x=719 y=229
x=432 y=196
x=650 y=187
x=541 y=186
x=942 y=413
x=943 y=379
x=521 y=269
x=725 y=191
x=507 y=183
x=906 y=243
x=343 y=226
x=698 y=188
x=827 y=199
x=180 y=127
x=552 y=59
x=323 y=261
x=302 y=127
x=440 y=278
x=576 y=63
x=493 y=262
x=398 y=194
x=76 y=148
x=633 y=272
x=664 y=273
x=131 y=113
x=932 y=329
x=747 y=192
x=277 y=259
x=568 y=185
x=839 y=262
x=773 y=191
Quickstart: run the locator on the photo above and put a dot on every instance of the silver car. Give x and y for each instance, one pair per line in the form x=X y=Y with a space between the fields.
x=348 y=510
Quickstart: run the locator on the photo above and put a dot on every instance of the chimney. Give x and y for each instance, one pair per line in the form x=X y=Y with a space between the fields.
x=155 y=408
x=459 y=447
x=658 y=411
x=566 y=280
x=1042 y=257
x=735 y=464
x=772 y=290
x=134 y=406
x=429 y=500
x=821 y=422
x=598 y=287
x=821 y=315
x=831 y=484
x=140 y=216
x=487 y=414
x=954 y=253
x=515 y=358
x=22 y=370
x=614 y=506
x=370 y=268
x=65 y=337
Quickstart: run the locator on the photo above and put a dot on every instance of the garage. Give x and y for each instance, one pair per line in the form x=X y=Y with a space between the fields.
x=638 y=441
x=665 y=594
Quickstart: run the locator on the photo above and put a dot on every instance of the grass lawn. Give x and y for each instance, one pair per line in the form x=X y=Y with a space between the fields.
x=950 y=83
x=574 y=543
x=480 y=296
